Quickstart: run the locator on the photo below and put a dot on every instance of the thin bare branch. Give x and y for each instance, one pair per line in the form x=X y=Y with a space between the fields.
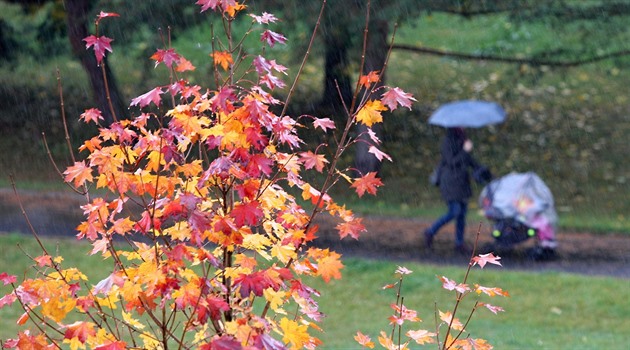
x=532 y=61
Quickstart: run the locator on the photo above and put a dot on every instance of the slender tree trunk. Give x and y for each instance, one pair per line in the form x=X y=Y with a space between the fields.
x=77 y=23
x=375 y=55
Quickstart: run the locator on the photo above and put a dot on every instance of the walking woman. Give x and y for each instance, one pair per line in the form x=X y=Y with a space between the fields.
x=454 y=183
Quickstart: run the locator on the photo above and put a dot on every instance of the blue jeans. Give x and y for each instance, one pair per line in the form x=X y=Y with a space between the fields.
x=456 y=210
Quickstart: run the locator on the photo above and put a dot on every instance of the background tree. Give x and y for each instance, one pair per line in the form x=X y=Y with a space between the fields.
x=101 y=78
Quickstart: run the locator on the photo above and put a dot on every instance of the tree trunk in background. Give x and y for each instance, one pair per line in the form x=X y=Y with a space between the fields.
x=337 y=80
x=375 y=56
x=77 y=22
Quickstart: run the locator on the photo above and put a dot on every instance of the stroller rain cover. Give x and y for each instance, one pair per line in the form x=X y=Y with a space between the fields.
x=523 y=197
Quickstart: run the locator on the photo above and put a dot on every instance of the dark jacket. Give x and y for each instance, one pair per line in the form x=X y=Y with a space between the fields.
x=454 y=174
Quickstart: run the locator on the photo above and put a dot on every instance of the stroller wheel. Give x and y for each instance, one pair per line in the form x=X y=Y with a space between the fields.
x=539 y=253
x=510 y=231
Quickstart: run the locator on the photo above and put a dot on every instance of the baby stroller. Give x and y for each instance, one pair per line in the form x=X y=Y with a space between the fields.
x=521 y=207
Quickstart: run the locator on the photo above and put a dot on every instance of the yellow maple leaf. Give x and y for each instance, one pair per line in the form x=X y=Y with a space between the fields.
x=371 y=113
x=256 y=241
x=155 y=159
x=58 y=309
x=150 y=341
x=284 y=253
x=294 y=333
x=275 y=298
x=180 y=231
x=128 y=318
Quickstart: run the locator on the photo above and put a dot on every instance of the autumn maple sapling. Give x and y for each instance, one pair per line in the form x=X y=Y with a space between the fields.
x=197 y=183
x=449 y=330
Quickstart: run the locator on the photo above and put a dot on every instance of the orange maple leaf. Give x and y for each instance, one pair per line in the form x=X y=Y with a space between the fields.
x=367 y=183
x=44 y=260
x=371 y=113
x=312 y=160
x=79 y=173
x=223 y=59
x=367 y=80
x=329 y=266
x=184 y=65
x=352 y=227
x=27 y=341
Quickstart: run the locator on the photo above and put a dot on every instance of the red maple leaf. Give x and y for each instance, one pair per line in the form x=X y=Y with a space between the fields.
x=394 y=97
x=216 y=305
x=266 y=18
x=106 y=14
x=100 y=44
x=7 y=299
x=246 y=213
x=252 y=283
x=223 y=100
x=272 y=38
x=91 y=115
x=151 y=96
x=352 y=228
x=259 y=163
x=212 y=4
x=367 y=183
x=7 y=279
x=248 y=189
x=116 y=345
x=324 y=123
x=168 y=57
x=224 y=225
x=80 y=330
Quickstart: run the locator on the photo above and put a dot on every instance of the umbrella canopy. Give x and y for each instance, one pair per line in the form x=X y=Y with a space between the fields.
x=468 y=114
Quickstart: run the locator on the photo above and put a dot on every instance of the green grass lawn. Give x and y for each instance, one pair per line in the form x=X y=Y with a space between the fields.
x=545 y=311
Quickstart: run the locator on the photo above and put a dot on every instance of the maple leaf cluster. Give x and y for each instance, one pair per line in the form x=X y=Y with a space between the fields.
x=201 y=182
